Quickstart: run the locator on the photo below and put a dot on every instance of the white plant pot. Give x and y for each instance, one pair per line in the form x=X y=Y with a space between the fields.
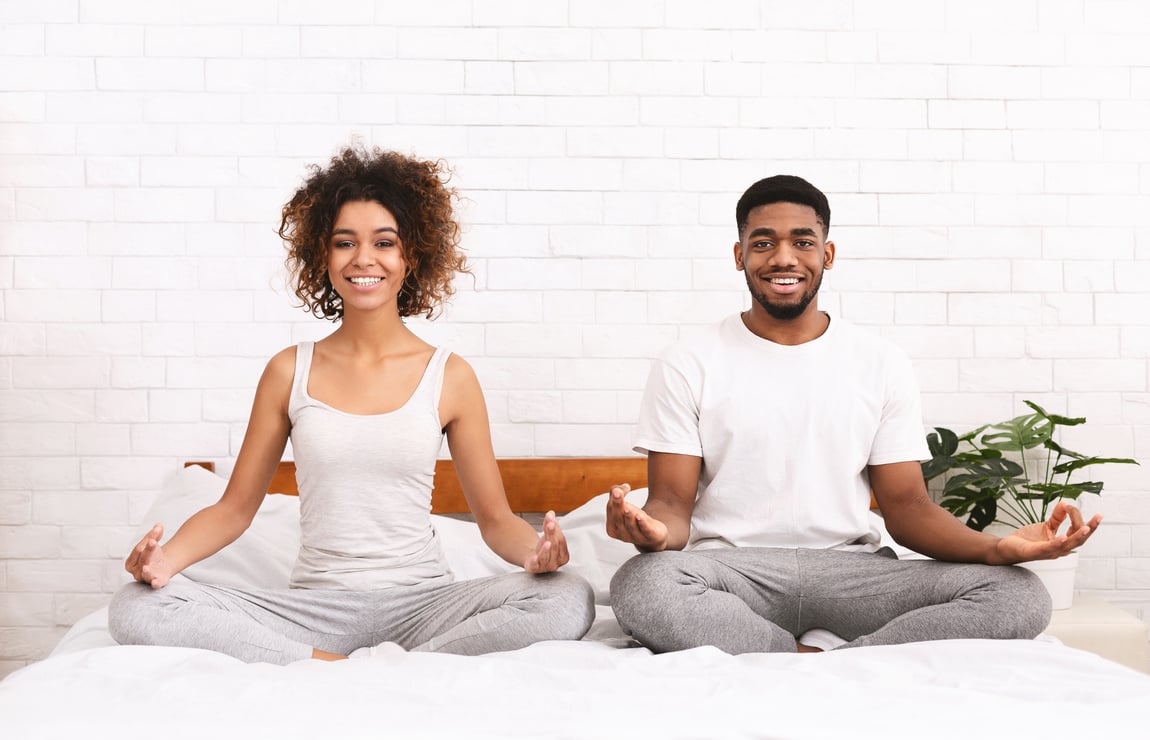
x=1058 y=577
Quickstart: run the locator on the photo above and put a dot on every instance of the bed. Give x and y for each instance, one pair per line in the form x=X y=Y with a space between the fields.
x=602 y=686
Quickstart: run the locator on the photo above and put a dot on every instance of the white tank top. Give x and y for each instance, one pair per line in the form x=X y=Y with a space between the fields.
x=365 y=487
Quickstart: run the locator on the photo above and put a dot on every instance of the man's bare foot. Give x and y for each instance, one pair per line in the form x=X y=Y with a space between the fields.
x=807 y=648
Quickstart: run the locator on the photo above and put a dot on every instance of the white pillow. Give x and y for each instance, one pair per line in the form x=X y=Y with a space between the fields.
x=467 y=554
x=263 y=555
x=594 y=555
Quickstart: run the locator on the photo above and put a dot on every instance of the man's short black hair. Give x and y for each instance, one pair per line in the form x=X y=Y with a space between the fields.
x=783 y=189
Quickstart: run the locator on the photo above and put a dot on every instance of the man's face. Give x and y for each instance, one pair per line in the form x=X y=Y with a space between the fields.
x=783 y=252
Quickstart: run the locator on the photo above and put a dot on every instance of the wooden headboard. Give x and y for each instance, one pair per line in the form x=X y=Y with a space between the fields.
x=533 y=485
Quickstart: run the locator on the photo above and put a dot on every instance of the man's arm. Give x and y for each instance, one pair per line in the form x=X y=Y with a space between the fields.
x=664 y=523
x=915 y=521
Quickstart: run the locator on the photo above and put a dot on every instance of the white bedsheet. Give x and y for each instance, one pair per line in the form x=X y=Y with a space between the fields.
x=594 y=688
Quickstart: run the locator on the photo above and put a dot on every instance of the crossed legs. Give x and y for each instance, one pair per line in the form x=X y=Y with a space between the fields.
x=759 y=599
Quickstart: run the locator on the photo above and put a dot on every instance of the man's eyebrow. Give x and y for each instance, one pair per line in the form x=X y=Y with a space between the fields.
x=767 y=231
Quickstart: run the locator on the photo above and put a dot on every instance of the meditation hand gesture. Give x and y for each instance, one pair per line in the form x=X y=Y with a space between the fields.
x=629 y=523
x=146 y=561
x=551 y=551
x=1042 y=541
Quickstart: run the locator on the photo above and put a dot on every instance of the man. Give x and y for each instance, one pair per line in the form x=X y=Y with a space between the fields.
x=765 y=437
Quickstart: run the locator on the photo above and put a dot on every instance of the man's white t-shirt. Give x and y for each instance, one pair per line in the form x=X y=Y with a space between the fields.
x=785 y=432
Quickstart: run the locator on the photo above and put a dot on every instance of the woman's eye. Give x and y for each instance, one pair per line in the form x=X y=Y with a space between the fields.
x=383 y=244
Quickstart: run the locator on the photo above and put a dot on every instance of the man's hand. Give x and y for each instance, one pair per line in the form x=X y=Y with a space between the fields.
x=551 y=551
x=629 y=523
x=1042 y=541
x=146 y=561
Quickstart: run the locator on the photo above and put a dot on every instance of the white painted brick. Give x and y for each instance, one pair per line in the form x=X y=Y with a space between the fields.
x=1124 y=114
x=540 y=207
x=656 y=78
x=1051 y=114
x=591 y=111
x=873 y=309
x=197 y=305
x=583 y=439
x=677 y=110
x=402 y=13
x=589 y=407
x=918 y=46
x=129 y=373
x=970 y=16
x=699 y=307
x=1065 y=145
x=620 y=306
x=1140 y=539
x=533 y=340
x=568 y=306
x=1036 y=276
x=919 y=309
x=1132 y=573
x=617 y=44
x=543 y=44
x=22 y=107
x=1100 y=374
x=601 y=374
x=714 y=274
x=134 y=239
x=822 y=15
x=613 y=141
x=51 y=576
x=513 y=440
x=904 y=177
x=984 y=146
x=993 y=310
x=188 y=171
x=449 y=43
x=42 y=171
x=48 y=73
x=409 y=76
x=20 y=609
x=1104 y=408
x=214 y=372
x=213 y=139
x=164 y=204
x=936 y=376
x=489 y=78
x=48 y=439
x=1104 y=210
x=1001 y=48
x=46 y=406
x=626 y=341
x=841 y=143
x=608 y=274
x=199 y=107
x=725 y=15
x=535 y=407
x=516 y=373
x=15 y=508
x=983 y=85
x=1004 y=375
x=998 y=341
x=574 y=174
x=63 y=204
x=174 y=405
x=665 y=275
x=185 y=41
x=515 y=141
x=1009 y=209
x=901 y=81
x=758 y=144
x=1135 y=341
x=597 y=241
x=46 y=305
x=227 y=404
x=78 y=508
x=102 y=439
x=573 y=78
x=151 y=73
x=694 y=45
x=932 y=342
x=901 y=15
x=1089 y=83
x=23 y=40
x=630 y=209
x=1088 y=276
x=926 y=210
x=367 y=108
x=492 y=240
x=1104 y=243
x=686 y=143
x=127 y=305
x=1095 y=573
x=112 y=172
x=790 y=113
x=199 y=439
x=39 y=474
x=607 y=13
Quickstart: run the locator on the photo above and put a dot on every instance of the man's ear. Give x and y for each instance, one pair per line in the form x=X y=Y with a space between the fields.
x=739 y=256
x=829 y=255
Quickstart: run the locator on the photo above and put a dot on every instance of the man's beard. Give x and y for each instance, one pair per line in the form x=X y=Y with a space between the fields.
x=788 y=311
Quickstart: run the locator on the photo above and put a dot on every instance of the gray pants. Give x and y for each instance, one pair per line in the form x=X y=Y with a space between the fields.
x=745 y=600
x=504 y=612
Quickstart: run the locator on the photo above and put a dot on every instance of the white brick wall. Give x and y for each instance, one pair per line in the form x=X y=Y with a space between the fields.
x=989 y=189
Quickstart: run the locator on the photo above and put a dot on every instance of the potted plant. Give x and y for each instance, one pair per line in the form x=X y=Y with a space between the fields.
x=1012 y=472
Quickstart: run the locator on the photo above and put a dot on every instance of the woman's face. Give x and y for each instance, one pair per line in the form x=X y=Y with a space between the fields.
x=365 y=256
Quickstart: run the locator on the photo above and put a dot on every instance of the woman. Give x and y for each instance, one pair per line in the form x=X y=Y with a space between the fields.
x=371 y=239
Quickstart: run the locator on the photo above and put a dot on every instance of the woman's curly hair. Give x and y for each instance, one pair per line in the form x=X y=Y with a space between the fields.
x=417 y=194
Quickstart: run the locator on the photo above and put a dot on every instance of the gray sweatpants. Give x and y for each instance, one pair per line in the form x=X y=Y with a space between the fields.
x=504 y=612
x=745 y=600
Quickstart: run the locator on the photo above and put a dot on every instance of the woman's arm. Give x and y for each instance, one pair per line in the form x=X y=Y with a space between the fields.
x=463 y=413
x=216 y=526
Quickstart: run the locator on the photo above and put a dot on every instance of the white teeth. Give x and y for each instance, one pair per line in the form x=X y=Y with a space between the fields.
x=364 y=280
x=783 y=281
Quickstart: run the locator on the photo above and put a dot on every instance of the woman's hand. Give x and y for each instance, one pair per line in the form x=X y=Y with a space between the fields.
x=551 y=550
x=146 y=561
